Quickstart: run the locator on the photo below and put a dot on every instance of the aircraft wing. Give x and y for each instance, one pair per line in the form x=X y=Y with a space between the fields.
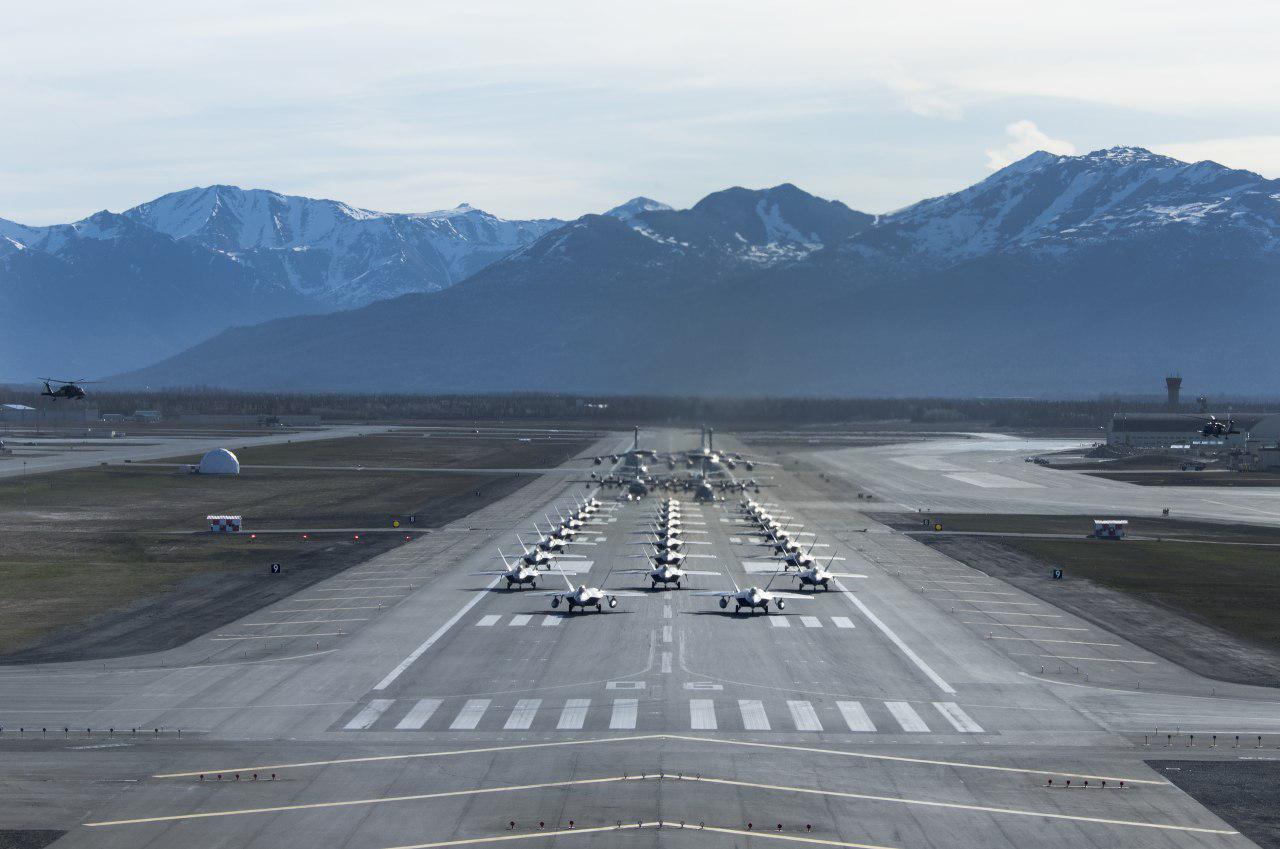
x=494 y=572
x=634 y=571
x=721 y=593
x=846 y=575
x=789 y=596
x=625 y=594
x=703 y=556
x=699 y=572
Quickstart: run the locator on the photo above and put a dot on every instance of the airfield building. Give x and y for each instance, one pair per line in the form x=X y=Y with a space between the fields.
x=1162 y=430
x=219 y=461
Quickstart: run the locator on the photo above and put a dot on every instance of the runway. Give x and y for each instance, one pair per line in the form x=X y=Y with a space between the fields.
x=411 y=702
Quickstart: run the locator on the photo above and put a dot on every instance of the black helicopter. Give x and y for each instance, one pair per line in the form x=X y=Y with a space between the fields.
x=69 y=389
x=1215 y=428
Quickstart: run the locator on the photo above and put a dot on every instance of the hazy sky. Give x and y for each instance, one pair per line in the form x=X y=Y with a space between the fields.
x=559 y=108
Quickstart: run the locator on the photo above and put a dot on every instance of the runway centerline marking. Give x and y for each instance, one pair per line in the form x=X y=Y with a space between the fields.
x=431 y=641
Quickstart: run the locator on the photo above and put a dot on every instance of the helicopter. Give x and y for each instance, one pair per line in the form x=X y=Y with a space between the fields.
x=69 y=389
x=1216 y=428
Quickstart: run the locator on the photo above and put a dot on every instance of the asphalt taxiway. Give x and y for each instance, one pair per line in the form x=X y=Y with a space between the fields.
x=409 y=702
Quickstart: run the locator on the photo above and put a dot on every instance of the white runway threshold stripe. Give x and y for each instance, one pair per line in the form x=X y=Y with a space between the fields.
x=419 y=714
x=855 y=716
x=469 y=717
x=369 y=714
x=431 y=641
x=959 y=720
x=906 y=716
x=702 y=714
x=624 y=714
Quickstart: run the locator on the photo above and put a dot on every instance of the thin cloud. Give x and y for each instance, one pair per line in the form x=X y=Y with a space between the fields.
x=1025 y=138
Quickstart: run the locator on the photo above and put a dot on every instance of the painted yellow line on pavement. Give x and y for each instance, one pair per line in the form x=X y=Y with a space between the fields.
x=323 y=609
x=351 y=597
x=1044 y=640
x=699 y=779
x=960 y=806
x=500 y=838
x=639 y=826
x=222 y=638
x=1070 y=657
x=1019 y=625
x=686 y=738
x=302 y=622
x=312 y=806
x=927 y=761
x=416 y=755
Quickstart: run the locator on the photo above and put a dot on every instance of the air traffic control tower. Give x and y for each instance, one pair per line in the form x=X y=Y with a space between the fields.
x=1173 y=383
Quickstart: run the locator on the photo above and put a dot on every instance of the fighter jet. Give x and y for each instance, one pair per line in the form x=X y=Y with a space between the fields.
x=584 y=596
x=819 y=576
x=753 y=598
x=517 y=573
x=667 y=573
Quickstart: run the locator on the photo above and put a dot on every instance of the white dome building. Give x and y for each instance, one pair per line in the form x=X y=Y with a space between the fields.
x=219 y=461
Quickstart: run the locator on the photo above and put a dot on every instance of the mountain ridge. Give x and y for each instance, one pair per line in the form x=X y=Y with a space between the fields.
x=1019 y=284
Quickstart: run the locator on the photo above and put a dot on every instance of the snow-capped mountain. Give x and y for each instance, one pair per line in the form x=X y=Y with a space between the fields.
x=1060 y=203
x=114 y=291
x=629 y=210
x=1079 y=274
x=340 y=255
x=730 y=228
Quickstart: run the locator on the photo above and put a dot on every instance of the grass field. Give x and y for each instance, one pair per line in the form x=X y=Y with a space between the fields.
x=1235 y=588
x=1180 y=478
x=80 y=545
x=1226 y=576
x=1083 y=526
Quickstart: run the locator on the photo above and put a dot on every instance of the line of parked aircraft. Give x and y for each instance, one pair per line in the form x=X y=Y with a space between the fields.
x=666 y=545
